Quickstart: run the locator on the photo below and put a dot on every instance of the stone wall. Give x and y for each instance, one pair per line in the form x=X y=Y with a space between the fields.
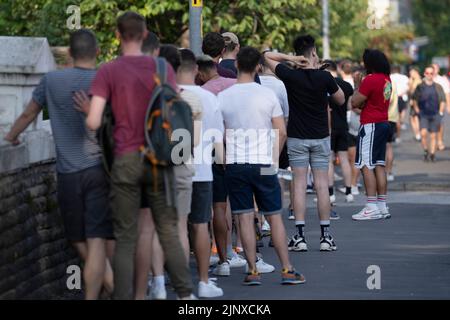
x=34 y=253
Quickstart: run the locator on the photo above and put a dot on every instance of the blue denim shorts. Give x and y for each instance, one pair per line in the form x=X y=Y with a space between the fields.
x=245 y=183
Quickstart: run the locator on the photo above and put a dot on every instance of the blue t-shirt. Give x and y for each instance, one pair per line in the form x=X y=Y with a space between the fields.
x=428 y=98
x=76 y=146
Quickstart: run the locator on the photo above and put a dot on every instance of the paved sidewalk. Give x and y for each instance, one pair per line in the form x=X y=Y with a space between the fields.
x=412 y=173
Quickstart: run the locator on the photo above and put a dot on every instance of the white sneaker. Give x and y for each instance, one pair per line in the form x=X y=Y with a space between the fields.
x=418 y=137
x=355 y=191
x=237 y=261
x=390 y=177
x=337 y=177
x=222 y=269
x=191 y=297
x=209 y=290
x=213 y=260
x=385 y=213
x=349 y=198
x=158 y=293
x=265 y=226
x=262 y=267
x=342 y=189
x=368 y=213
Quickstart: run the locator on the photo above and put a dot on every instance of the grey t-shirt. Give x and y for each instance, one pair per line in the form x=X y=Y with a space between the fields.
x=76 y=146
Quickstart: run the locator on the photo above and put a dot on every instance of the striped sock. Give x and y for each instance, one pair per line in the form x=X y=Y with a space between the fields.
x=381 y=201
x=300 y=224
x=372 y=202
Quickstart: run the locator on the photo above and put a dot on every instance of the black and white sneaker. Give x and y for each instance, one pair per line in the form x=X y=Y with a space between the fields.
x=297 y=243
x=291 y=215
x=327 y=243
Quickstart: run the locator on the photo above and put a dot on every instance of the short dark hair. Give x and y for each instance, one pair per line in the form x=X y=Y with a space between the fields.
x=376 y=61
x=151 y=43
x=303 y=45
x=332 y=65
x=248 y=59
x=213 y=44
x=188 y=61
x=205 y=64
x=171 y=54
x=131 y=26
x=83 y=45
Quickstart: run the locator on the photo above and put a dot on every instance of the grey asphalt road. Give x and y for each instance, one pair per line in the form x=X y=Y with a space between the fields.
x=412 y=251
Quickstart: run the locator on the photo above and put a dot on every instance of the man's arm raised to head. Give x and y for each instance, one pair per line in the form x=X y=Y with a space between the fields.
x=28 y=116
x=274 y=58
x=94 y=118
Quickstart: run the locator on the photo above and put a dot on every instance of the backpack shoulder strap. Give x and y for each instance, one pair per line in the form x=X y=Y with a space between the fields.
x=161 y=69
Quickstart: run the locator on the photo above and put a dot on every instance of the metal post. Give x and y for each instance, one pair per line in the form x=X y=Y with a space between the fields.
x=325 y=29
x=195 y=26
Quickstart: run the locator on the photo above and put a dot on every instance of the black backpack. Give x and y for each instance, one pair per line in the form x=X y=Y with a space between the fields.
x=166 y=113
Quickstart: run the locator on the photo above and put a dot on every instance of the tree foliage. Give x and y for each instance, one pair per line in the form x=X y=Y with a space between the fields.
x=258 y=23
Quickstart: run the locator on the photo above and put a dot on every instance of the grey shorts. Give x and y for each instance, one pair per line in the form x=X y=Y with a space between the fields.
x=304 y=152
x=430 y=123
x=201 y=202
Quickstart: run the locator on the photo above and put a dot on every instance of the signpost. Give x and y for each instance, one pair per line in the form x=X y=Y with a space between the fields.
x=195 y=26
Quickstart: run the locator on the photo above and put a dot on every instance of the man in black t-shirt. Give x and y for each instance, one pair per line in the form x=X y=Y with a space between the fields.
x=339 y=134
x=308 y=132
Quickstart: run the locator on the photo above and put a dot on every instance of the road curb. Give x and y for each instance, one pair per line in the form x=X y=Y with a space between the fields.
x=419 y=186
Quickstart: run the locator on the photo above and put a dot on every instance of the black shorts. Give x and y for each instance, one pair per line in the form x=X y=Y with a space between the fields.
x=402 y=105
x=371 y=148
x=220 y=192
x=352 y=140
x=144 y=202
x=284 y=158
x=201 y=204
x=392 y=132
x=339 y=140
x=83 y=199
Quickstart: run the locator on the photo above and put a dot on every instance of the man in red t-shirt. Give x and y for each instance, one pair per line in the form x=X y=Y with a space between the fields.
x=373 y=98
x=127 y=82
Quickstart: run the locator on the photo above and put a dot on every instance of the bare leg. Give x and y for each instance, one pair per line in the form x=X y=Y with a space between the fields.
x=433 y=142
x=424 y=133
x=108 y=280
x=300 y=192
x=279 y=239
x=370 y=182
x=346 y=169
x=202 y=249
x=323 y=198
x=146 y=229
x=94 y=269
x=248 y=238
x=220 y=229
x=389 y=158
x=381 y=182
x=354 y=170
x=182 y=231
x=415 y=125
x=440 y=136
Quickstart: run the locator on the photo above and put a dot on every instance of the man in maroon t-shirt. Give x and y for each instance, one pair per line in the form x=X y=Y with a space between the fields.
x=373 y=97
x=127 y=82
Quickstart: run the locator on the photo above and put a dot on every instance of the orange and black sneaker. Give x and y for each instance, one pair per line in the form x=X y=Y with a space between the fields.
x=253 y=278
x=291 y=277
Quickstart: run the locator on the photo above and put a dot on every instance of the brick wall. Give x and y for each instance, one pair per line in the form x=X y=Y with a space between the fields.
x=34 y=253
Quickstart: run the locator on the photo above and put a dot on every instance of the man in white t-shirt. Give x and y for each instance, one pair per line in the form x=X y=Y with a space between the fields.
x=210 y=132
x=401 y=82
x=252 y=115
